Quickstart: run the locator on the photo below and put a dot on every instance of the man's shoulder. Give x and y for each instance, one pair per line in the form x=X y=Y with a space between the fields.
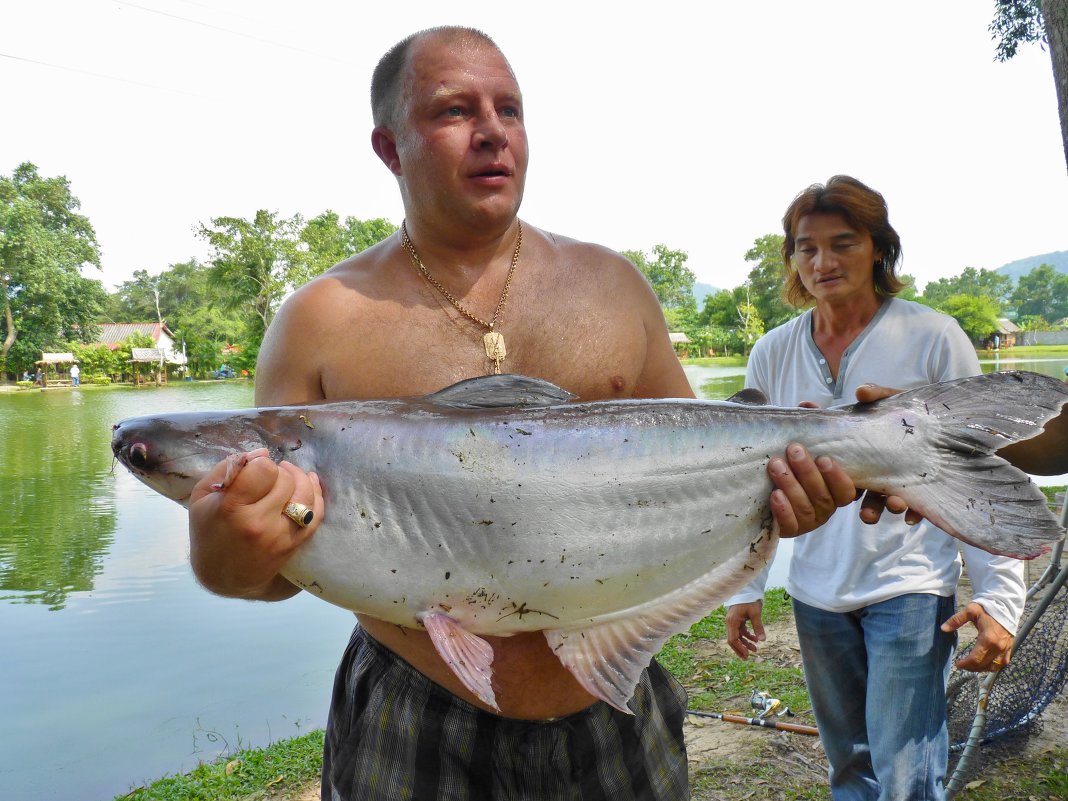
x=569 y=249
x=918 y=315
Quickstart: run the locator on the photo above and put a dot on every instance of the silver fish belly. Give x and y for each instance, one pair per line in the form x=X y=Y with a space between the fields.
x=496 y=506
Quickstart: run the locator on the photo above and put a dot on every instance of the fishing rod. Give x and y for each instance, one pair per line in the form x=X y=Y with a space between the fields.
x=766 y=723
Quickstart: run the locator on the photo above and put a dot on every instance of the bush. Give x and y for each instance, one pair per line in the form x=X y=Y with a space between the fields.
x=24 y=384
x=100 y=380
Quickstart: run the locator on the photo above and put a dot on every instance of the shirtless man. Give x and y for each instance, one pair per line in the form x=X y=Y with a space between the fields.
x=449 y=125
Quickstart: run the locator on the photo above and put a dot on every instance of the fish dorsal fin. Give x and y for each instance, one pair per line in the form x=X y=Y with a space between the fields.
x=753 y=397
x=608 y=658
x=497 y=391
x=467 y=655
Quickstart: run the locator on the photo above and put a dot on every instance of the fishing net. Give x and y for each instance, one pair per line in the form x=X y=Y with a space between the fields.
x=1015 y=697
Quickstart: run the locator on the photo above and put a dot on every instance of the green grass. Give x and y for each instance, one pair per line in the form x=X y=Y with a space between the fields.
x=1041 y=778
x=716 y=685
x=261 y=773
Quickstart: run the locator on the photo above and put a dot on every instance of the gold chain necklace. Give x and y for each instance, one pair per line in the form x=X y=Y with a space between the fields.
x=492 y=340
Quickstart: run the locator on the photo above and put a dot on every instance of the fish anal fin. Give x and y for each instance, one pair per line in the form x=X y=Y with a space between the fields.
x=607 y=658
x=468 y=656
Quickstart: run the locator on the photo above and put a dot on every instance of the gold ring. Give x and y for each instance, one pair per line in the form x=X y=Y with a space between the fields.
x=298 y=513
x=998 y=662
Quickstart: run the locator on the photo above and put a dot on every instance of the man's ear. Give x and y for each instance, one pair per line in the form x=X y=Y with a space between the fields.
x=384 y=143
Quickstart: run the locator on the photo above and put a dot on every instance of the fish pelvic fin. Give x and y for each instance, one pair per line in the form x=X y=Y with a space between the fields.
x=607 y=658
x=468 y=656
x=966 y=489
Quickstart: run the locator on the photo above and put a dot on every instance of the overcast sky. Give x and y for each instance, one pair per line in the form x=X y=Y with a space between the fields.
x=649 y=122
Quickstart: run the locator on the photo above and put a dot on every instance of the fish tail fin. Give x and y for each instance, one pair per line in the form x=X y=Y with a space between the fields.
x=966 y=489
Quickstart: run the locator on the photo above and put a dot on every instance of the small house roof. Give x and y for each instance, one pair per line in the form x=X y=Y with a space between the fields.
x=56 y=358
x=678 y=338
x=154 y=355
x=112 y=334
x=1007 y=326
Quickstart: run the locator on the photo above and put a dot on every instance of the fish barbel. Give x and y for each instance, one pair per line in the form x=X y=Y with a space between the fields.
x=497 y=505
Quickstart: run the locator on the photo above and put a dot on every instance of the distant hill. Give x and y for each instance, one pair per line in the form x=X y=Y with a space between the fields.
x=701 y=291
x=1058 y=260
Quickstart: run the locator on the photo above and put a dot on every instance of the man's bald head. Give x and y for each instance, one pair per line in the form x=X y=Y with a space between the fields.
x=388 y=78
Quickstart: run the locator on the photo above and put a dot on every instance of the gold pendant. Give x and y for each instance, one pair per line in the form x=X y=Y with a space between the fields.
x=494 y=342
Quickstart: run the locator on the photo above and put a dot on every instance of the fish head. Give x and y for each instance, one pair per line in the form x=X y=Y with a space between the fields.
x=172 y=453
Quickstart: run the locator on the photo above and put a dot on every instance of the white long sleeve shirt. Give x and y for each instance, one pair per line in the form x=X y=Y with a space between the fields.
x=847 y=564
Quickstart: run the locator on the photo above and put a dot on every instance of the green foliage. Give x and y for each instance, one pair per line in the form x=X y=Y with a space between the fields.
x=909 y=292
x=977 y=315
x=329 y=241
x=1016 y=22
x=191 y=307
x=1033 y=323
x=732 y=321
x=254 y=263
x=766 y=281
x=1043 y=292
x=44 y=243
x=667 y=273
x=281 y=767
x=978 y=283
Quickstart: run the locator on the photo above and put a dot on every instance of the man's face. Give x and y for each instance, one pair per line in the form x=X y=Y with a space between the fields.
x=834 y=260
x=461 y=143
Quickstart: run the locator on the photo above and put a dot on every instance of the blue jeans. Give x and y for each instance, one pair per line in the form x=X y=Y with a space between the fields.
x=877 y=678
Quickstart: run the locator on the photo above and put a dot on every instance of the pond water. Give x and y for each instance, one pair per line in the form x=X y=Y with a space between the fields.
x=116 y=668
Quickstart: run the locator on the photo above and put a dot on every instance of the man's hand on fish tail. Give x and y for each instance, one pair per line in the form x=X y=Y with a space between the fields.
x=993 y=645
x=807 y=491
x=740 y=638
x=873 y=504
x=238 y=536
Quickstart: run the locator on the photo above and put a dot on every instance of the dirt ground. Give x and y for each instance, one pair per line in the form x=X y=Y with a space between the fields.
x=755 y=753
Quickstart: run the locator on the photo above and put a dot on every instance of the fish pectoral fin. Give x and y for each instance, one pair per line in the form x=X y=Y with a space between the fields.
x=235 y=463
x=467 y=655
x=608 y=658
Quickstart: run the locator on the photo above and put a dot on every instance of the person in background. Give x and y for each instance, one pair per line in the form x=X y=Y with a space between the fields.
x=75 y=375
x=874 y=604
x=464 y=289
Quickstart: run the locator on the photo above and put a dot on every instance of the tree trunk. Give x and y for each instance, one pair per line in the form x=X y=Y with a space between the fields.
x=9 y=320
x=1055 y=13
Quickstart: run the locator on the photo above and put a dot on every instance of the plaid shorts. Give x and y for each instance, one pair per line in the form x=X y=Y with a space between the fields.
x=394 y=734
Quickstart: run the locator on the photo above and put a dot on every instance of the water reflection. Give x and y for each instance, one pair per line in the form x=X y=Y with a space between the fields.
x=58 y=499
x=57 y=502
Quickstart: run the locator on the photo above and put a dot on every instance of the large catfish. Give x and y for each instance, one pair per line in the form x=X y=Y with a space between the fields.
x=497 y=505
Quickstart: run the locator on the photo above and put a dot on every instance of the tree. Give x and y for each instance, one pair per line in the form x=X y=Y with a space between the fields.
x=978 y=316
x=766 y=281
x=671 y=279
x=254 y=263
x=909 y=291
x=1043 y=292
x=1020 y=21
x=985 y=283
x=329 y=241
x=183 y=296
x=44 y=243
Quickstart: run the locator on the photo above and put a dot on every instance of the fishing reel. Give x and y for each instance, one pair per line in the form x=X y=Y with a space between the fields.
x=762 y=702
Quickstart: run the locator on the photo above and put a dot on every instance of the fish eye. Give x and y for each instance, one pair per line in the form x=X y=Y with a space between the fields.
x=138 y=455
